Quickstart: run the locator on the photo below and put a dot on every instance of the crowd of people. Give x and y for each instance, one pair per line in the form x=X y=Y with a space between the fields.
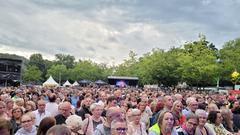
x=31 y=110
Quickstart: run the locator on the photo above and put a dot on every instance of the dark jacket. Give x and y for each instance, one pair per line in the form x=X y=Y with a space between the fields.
x=84 y=110
x=60 y=119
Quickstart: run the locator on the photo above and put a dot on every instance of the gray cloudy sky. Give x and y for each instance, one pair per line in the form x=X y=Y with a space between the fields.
x=106 y=30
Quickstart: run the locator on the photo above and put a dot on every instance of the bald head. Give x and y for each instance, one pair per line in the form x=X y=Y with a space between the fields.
x=65 y=109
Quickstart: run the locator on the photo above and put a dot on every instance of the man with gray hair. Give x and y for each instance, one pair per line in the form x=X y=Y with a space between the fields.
x=192 y=106
x=65 y=111
x=111 y=114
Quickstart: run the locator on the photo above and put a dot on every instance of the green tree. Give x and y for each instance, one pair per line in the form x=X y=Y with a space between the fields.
x=87 y=70
x=128 y=67
x=58 y=72
x=32 y=74
x=38 y=61
x=66 y=60
x=198 y=63
x=229 y=55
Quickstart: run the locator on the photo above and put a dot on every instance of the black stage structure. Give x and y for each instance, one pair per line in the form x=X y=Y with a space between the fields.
x=10 y=72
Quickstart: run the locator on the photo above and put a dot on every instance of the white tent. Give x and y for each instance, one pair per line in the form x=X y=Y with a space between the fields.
x=50 y=82
x=75 y=83
x=67 y=83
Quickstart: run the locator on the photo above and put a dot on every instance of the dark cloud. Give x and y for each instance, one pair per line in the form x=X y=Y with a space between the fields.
x=106 y=30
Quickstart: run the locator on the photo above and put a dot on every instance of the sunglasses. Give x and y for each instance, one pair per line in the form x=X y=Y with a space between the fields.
x=121 y=129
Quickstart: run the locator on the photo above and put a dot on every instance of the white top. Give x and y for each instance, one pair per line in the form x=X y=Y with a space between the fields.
x=39 y=116
x=52 y=108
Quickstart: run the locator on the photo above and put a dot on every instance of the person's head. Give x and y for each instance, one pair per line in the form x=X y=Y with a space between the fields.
x=168 y=102
x=125 y=105
x=202 y=117
x=52 y=97
x=45 y=124
x=227 y=116
x=111 y=101
x=212 y=107
x=59 y=130
x=27 y=122
x=215 y=117
x=235 y=104
x=119 y=127
x=200 y=99
x=19 y=102
x=5 y=127
x=30 y=106
x=33 y=116
x=65 y=109
x=142 y=106
x=136 y=115
x=113 y=113
x=192 y=104
x=17 y=112
x=2 y=107
x=87 y=101
x=191 y=123
x=166 y=120
x=74 y=122
x=102 y=96
x=9 y=103
x=159 y=106
x=41 y=105
x=117 y=93
x=96 y=109
x=177 y=106
x=178 y=97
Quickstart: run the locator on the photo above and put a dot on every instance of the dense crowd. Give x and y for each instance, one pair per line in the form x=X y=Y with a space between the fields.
x=31 y=110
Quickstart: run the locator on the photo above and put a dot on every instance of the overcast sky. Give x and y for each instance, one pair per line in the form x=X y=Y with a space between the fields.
x=106 y=30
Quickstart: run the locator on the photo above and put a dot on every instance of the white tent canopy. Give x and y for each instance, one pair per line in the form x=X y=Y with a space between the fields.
x=75 y=83
x=50 y=82
x=67 y=83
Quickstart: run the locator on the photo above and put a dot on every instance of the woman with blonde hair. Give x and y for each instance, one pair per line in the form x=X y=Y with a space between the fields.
x=164 y=126
x=30 y=106
x=177 y=112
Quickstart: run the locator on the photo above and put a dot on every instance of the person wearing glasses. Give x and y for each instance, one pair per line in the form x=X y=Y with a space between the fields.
x=27 y=125
x=189 y=127
x=119 y=127
x=65 y=112
x=112 y=114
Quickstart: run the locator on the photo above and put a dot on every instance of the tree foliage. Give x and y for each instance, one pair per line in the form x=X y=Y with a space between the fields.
x=32 y=74
x=198 y=63
x=66 y=60
x=58 y=72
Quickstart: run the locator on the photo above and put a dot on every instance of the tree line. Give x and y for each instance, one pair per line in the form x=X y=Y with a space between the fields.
x=198 y=63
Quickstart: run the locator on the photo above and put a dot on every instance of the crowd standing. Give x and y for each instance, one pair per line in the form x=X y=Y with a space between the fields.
x=105 y=110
